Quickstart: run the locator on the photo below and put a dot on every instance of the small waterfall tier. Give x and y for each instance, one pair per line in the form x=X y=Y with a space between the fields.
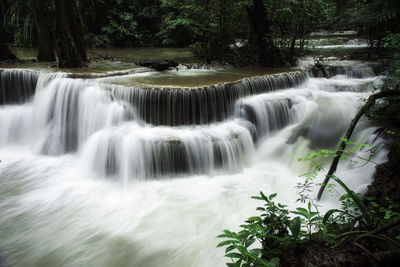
x=162 y=105
x=61 y=116
x=268 y=113
x=17 y=85
x=353 y=71
x=201 y=105
x=133 y=152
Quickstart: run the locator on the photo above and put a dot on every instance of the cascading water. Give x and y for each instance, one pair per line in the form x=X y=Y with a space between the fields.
x=134 y=152
x=186 y=106
x=17 y=86
x=94 y=174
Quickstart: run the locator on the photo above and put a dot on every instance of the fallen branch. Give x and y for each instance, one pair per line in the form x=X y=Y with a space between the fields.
x=339 y=152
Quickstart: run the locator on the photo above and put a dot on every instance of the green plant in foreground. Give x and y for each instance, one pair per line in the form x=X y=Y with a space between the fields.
x=278 y=230
x=274 y=229
x=361 y=222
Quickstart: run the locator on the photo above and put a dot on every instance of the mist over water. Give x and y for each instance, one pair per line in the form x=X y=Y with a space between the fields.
x=111 y=175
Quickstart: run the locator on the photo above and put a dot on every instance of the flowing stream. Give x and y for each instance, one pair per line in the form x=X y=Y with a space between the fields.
x=97 y=172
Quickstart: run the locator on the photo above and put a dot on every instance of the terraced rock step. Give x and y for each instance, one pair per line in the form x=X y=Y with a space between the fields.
x=199 y=105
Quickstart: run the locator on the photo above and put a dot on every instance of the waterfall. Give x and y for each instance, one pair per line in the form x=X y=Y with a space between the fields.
x=17 y=86
x=132 y=152
x=202 y=105
x=353 y=71
x=270 y=112
x=98 y=174
x=61 y=116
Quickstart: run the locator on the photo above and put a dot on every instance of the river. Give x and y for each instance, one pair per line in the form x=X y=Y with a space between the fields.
x=147 y=169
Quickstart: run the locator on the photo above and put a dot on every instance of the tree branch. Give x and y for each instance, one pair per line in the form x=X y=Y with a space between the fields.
x=353 y=124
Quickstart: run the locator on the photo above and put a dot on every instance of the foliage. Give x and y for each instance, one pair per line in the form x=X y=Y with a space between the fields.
x=215 y=29
x=297 y=18
x=19 y=21
x=211 y=27
x=273 y=229
x=392 y=42
x=373 y=18
x=121 y=22
x=279 y=230
x=120 y=27
x=387 y=110
x=318 y=158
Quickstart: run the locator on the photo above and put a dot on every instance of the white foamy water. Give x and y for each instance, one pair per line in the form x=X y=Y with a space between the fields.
x=84 y=181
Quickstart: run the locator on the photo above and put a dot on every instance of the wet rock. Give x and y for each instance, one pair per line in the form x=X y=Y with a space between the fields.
x=147 y=64
x=159 y=66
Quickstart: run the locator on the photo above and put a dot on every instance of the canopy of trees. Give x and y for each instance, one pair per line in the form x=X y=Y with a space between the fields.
x=263 y=32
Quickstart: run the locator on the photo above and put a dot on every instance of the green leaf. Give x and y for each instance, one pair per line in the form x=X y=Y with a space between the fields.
x=230 y=248
x=357 y=200
x=227 y=234
x=225 y=243
x=255 y=219
x=301 y=211
x=264 y=197
x=243 y=251
x=316 y=219
x=295 y=226
x=329 y=214
x=272 y=196
x=235 y=264
x=234 y=255
x=249 y=242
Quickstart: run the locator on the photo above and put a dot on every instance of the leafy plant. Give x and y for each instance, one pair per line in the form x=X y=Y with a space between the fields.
x=311 y=219
x=276 y=229
x=266 y=238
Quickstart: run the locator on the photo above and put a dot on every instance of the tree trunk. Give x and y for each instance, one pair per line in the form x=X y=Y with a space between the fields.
x=293 y=34
x=223 y=37
x=267 y=53
x=259 y=28
x=292 y=48
x=3 y=9
x=69 y=42
x=44 y=22
x=5 y=53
